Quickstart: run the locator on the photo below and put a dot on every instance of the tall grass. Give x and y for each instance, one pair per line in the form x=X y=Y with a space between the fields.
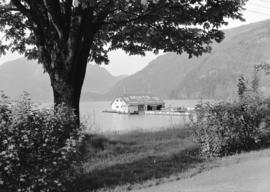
x=135 y=158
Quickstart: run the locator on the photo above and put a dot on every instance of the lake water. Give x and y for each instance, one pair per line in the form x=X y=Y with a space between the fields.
x=100 y=122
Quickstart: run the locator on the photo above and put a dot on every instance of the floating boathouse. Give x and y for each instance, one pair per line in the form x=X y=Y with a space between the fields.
x=136 y=104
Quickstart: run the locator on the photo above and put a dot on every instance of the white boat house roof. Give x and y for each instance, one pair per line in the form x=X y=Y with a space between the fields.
x=142 y=100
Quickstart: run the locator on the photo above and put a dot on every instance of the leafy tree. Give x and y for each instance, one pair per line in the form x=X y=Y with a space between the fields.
x=242 y=87
x=64 y=35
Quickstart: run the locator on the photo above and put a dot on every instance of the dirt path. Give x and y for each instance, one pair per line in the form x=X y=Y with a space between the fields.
x=252 y=175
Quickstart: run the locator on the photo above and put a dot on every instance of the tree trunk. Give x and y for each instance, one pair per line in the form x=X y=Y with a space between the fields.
x=67 y=93
x=67 y=67
x=67 y=84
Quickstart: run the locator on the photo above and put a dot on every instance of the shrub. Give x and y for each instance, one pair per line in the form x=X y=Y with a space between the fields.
x=37 y=146
x=226 y=128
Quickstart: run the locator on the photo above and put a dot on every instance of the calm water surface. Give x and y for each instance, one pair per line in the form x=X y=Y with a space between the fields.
x=101 y=122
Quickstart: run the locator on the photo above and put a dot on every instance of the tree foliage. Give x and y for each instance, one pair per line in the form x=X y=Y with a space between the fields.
x=64 y=35
x=33 y=26
x=226 y=128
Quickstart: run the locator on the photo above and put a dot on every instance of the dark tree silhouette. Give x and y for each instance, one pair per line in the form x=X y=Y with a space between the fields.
x=64 y=35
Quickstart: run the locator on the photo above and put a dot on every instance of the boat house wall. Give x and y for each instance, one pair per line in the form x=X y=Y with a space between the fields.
x=137 y=104
x=119 y=105
x=133 y=109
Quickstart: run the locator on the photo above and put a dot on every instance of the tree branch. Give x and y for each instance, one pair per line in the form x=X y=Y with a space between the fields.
x=20 y=7
x=7 y=8
x=38 y=18
x=54 y=11
x=138 y=16
x=102 y=16
x=67 y=17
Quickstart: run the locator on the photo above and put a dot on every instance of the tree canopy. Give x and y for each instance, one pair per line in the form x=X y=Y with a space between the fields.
x=132 y=25
x=64 y=35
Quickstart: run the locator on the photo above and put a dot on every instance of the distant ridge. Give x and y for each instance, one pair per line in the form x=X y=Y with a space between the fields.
x=24 y=75
x=212 y=75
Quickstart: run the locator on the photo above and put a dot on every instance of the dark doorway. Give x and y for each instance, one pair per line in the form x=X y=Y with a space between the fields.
x=159 y=107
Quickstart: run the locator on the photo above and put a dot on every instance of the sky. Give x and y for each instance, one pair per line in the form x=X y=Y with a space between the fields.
x=121 y=63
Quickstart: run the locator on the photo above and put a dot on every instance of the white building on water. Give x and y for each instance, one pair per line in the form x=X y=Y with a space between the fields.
x=136 y=104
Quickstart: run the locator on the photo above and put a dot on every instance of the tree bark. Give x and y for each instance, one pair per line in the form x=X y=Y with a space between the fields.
x=65 y=92
x=67 y=83
x=68 y=62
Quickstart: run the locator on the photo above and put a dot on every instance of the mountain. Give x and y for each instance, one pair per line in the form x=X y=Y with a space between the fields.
x=159 y=77
x=213 y=75
x=22 y=75
x=99 y=80
x=25 y=75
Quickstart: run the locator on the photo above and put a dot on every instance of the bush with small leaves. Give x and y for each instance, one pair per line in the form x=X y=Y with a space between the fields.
x=226 y=128
x=37 y=146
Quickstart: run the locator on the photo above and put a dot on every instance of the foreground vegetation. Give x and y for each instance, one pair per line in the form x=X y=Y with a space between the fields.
x=227 y=128
x=38 y=147
x=218 y=130
x=129 y=159
x=46 y=150
x=142 y=159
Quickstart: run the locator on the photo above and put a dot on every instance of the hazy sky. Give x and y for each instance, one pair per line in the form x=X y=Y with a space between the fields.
x=256 y=10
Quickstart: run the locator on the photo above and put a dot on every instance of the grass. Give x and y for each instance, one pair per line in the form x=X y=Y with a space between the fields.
x=123 y=162
x=135 y=158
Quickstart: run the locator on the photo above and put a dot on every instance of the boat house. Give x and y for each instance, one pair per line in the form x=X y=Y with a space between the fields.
x=137 y=104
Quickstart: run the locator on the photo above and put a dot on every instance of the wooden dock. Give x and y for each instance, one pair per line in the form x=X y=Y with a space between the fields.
x=123 y=113
x=109 y=111
x=169 y=113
